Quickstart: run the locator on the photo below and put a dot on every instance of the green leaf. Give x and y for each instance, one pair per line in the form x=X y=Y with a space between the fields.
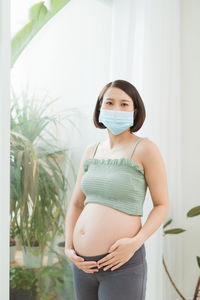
x=195 y=211
x=167 y=223
x=38 y=11
x=198 y=261
x=39 y=15
x=60 y=280
x=174 y=231
x=48 y=237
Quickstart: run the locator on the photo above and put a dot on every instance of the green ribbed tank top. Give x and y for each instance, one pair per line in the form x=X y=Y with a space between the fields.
x=115 y=182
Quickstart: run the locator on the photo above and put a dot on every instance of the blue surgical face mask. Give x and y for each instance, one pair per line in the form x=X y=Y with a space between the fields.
x=116 y=120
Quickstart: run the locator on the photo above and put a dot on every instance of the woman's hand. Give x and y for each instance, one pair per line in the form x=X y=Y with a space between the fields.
x=79 y=261
x=120 y=252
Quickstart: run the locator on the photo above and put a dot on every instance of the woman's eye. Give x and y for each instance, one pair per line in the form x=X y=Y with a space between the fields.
x=111 y=103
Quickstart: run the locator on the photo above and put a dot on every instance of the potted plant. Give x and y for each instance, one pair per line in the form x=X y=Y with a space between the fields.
x=195 y=211
x=48 y=282
x=38 y=183
x=22 y=283
x=56 y=281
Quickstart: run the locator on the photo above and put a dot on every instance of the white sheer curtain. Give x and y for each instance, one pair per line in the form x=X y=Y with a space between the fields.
x=139 y=41
x=4 y=147
x=145 y=51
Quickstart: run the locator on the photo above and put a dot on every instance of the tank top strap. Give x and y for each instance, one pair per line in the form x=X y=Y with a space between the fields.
x=135 y=146
x=95 y=149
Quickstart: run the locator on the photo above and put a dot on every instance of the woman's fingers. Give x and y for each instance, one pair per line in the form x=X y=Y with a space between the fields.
x=109 y=262
x=114 y=263
x=88 y=266
x=117 y=266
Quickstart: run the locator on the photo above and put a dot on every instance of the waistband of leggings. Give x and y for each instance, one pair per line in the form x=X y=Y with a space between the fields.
x=93 y=257
x=97 y=257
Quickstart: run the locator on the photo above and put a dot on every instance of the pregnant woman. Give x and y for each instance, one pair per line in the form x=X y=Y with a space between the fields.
x=104 y=238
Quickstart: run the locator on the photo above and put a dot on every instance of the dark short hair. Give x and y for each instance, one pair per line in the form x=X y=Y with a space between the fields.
x=129 y=89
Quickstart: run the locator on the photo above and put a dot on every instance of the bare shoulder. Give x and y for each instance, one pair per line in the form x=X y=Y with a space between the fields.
x=149 y=150
x=145 y=148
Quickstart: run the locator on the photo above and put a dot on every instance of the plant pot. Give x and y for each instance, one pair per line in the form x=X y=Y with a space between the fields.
x=30 y=259
x=60 y=248
x=16 y=294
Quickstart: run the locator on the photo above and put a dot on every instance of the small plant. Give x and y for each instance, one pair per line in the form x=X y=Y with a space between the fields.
x=50 y=282
x=57 y=280
x=47 y=282
x=22 y=283
x=22 y=278
x=195 y=211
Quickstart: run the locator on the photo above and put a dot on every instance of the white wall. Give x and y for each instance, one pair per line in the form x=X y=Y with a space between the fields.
x=190 y=98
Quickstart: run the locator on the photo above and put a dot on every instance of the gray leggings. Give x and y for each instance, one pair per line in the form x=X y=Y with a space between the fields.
x=126 y=282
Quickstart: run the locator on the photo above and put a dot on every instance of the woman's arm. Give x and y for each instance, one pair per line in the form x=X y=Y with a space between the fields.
x=76 y=205
x=73 y=212
x=156 y=178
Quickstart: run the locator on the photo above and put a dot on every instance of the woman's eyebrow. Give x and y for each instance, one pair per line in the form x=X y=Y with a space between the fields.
x=121 y=99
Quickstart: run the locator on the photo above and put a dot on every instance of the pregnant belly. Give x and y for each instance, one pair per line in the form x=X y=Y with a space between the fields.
x=99 y=226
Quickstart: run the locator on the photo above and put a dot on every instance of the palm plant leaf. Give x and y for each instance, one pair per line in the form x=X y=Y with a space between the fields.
x=39 y=15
